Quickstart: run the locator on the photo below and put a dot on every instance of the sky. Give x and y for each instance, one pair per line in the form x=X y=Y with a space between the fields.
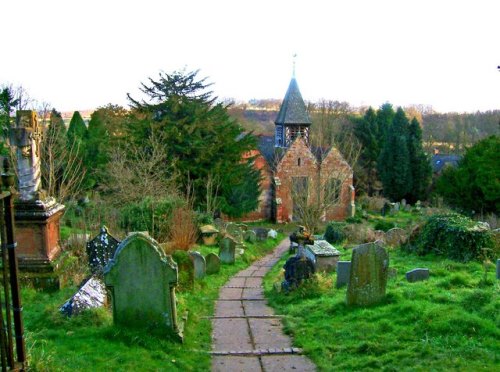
x=79 y=55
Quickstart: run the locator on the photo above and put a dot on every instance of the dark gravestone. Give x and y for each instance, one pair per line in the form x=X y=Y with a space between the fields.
x=213 y=263
x=101 y=250
x=297 y=269
x=368 y=277
x=92 y=294
x=343 y=272
x=227 y=247
x=142 y=281
x=417 y=275
x=199 y=264
x=385 y=209
x=261 y=233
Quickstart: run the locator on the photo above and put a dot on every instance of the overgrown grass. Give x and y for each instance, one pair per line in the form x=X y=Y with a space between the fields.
x=450 y=322
x=90 y=342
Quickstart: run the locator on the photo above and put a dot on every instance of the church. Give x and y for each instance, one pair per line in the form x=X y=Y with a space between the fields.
x=296 y=174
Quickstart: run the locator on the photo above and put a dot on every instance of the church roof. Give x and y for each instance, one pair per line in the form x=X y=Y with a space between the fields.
x=293 y=109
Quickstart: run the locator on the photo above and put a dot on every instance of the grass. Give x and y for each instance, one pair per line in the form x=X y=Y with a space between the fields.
x=90 y=342
x=450 y=322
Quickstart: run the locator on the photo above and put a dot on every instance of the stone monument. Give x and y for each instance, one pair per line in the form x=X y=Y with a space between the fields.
x=36 y=215
x=142 y=280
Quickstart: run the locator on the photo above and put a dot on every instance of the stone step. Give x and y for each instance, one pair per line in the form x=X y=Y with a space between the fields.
x=258 y=352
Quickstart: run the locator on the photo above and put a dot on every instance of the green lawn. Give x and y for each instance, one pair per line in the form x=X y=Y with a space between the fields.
x=451 y=322
x=90 y=342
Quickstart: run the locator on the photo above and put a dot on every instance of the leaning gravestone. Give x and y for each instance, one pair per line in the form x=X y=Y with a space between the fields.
x=368 y=277
x=250 y=236
x=199 y=264
x=343 y=272
x=213 y=263
x=395 y=236
x=417 y=275
x=92 y=294
x=142 y=281
x=101 y=250
x=227 y=248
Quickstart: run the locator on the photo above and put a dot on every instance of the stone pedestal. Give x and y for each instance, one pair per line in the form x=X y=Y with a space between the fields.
x=37 y=233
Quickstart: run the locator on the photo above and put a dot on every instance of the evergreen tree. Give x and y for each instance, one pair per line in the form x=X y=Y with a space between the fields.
x=394 y=161
x=474 y=186
x=420 y=165
x=7 y=104
x=77 y=130
x=201 y=138
x=54 y=144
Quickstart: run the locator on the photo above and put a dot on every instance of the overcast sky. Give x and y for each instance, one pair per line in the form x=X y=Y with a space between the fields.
x=79 y=55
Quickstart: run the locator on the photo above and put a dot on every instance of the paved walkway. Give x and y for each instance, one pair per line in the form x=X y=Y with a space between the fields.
x=246 y=334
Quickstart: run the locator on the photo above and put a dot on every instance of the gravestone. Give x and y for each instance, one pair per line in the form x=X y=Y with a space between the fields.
x=213 y=263
x=273 y=234
x=297 y=269
x=403 y=203
x=379 y=235
x=92 y=294
x=101 y=250
x=395 y=207
x=235 y=231
x=343 y=272
x=368 y=277
x=250 y=236
x=199 y=264
x=395 y=236
x=324 y=255
x=227 y=248
x=417 y=275
x=142 y=281
x=261 y=233
x=385 y=209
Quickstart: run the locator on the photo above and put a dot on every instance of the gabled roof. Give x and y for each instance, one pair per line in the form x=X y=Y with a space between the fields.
x=293 y=109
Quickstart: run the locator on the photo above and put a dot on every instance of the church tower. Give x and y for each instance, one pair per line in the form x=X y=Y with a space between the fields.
x=293 y=119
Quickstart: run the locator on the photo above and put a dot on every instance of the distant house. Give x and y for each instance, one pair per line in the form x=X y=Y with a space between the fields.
x=441 y=161
x=290 y=166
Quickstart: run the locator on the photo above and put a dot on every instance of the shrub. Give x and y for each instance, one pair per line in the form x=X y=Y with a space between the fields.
x=334 y=233
x=454 y=236
x=183 y=229
x=384 y=225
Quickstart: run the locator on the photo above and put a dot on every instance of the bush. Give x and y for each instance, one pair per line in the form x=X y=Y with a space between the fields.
x=454 y=236
x=334 y=233
x=384 y=225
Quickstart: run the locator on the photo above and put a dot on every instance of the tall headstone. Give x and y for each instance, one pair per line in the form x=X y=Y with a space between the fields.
x=142 y=281
x=101 y=250
x=213 y=263
x=200 y=267
x=343 y=273
x=36 y=215
x=368 y=277
x=227 y=250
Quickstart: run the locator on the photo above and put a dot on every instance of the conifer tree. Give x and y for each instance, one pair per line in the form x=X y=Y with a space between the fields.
x=421 y=170
x=77 y=129
x=394 y=161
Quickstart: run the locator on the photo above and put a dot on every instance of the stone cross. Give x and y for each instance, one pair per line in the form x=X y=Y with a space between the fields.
x=26 y=136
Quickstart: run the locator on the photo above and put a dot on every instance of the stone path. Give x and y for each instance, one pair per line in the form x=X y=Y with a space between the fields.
x=247 y=335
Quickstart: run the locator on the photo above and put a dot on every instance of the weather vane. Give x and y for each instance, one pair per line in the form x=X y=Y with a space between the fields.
x=294 y=60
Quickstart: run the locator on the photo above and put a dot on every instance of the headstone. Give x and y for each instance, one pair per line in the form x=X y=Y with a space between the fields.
x=227 y=247
x=213 y=263
x=395 y=236
x=261 y=233
x=101 y=250
x=234 y=230
x=417 y=275
x=273 y=234
x=403 y=203
x=368 y=277
x=498 y=268
x=323 y=255
x=297 y=269
x=250 y=236
x=395 y=207
x=199 y=264
x=92 y=294
x=343 y=272
x=407 y=208
x=142 y=281
x=379 y=235
x=385 y=209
